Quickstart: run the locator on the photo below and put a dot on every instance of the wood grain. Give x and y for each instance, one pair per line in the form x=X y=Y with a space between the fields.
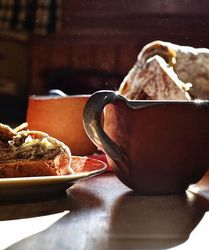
x=104 y=214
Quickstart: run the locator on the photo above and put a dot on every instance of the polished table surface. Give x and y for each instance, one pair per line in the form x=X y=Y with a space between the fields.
x=101 y=213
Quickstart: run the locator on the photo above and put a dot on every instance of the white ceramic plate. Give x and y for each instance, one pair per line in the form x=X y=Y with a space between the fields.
x=38 y=186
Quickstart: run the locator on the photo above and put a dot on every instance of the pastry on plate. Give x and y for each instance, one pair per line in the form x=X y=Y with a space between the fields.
x=25 y=153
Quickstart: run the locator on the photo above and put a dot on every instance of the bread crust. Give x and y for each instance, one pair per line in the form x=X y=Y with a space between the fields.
x=25 y=168
x=59 y=165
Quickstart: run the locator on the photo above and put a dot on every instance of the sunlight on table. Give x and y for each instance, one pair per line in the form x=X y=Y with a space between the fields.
x=198 y=238
x=12 y=231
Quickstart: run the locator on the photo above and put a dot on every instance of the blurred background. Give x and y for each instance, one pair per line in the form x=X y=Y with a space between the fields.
x=83 y=46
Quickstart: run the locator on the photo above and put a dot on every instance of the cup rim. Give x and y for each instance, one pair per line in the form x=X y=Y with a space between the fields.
x=48 y=97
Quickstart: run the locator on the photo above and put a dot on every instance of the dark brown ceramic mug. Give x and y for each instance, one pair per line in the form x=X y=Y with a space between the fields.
x=154 y=147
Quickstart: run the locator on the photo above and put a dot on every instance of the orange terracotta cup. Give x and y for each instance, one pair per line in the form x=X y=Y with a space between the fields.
x=61 y=117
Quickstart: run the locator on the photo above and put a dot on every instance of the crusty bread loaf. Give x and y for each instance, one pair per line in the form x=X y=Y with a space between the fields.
x=190 y=64
x=187 y=68
x=31 y=153
x=154 y=81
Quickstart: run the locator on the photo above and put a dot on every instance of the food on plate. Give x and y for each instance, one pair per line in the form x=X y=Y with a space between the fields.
x=168 y=71
x=25 y=153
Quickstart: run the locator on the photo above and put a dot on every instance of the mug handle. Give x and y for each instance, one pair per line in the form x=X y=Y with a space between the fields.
x=92 y=119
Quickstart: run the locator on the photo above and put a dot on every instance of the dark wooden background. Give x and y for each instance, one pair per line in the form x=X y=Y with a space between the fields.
x=99 y=41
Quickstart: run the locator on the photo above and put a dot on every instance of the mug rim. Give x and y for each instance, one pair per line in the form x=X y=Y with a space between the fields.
x=121 y=97
x=147 y=103
x=135 y=104
x=48 y=97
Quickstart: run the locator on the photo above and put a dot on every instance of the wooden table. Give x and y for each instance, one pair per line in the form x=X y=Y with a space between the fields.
x=102 y=213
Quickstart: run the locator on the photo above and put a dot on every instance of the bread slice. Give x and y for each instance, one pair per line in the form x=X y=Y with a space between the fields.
x=191 y=65
x=173 y=66
x=32 y=153
x=155 y=80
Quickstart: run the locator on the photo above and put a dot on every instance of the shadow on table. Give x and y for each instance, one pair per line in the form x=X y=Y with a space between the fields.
x=44 y=217
x=154 y=222
x=76 y=200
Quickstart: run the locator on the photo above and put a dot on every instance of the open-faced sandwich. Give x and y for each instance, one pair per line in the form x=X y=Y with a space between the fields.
x=168 y=71
x=25 y=153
